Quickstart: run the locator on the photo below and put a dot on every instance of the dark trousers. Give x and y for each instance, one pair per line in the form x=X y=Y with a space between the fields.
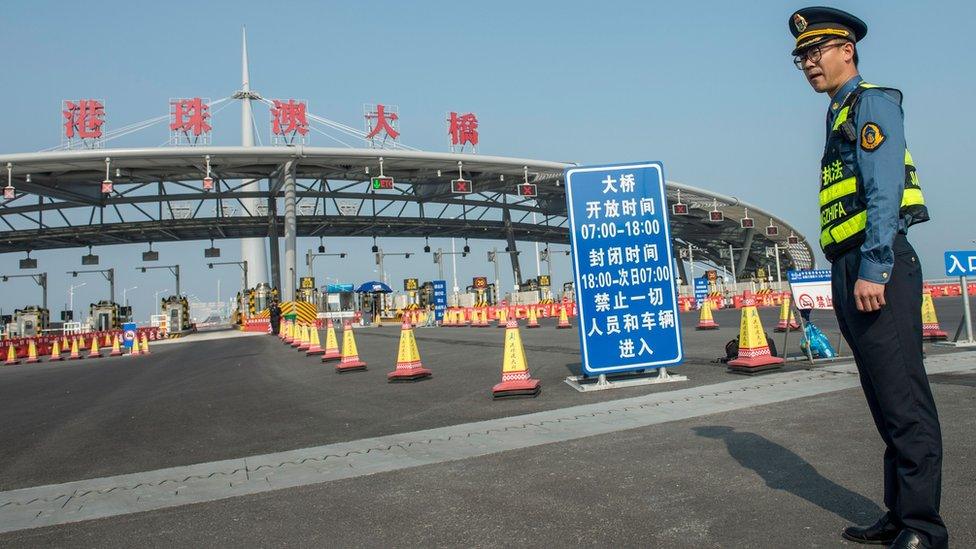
x=887 y=346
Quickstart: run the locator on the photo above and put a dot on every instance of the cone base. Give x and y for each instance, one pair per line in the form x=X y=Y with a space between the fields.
x=32 y=361
x=115 y=353
x=334 y=355
x=707 y=327
x=356 y=366
x=75 y=357
x=94 y=355
x=561 y=327
x=934 y=336
x=408 y=375
x=11 y=362
x=522 y=387
x=531 y=325
x=753 y=370
x=303 y=348
x=55 y=359
x=314 y=352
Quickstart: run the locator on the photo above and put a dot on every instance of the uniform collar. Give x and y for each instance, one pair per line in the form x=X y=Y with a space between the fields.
x=845 y=90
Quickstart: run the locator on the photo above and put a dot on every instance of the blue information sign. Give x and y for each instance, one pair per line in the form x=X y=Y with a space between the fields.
x=960 y=263
x=622 y=259
x=128 y=334
x=701 y=290
x=440 y=299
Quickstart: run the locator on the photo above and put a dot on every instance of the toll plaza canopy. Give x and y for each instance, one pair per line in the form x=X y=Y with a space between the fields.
x=98 y=197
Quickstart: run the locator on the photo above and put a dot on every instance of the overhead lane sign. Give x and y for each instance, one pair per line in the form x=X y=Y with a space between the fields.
x=625 y=288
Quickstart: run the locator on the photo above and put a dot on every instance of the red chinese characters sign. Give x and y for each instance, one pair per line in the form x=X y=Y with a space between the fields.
x=289 y=119
x=463 y=129
x=83 y=119
x=380 y=121
x=190 y=118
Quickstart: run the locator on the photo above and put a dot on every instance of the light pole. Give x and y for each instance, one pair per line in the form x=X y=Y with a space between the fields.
x=156 y=298
x=40 y=279
x=71 y=295
x=109 y=275
x=125 y=291
x=241 y=264
x=310 y=258
x=175 y=269
x=380 y=254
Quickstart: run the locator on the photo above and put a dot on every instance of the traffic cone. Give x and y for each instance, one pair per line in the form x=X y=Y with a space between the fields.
x=786 y=318
x=331 y=343
x=306 y=342
x=64 y=343
x=31 y=352
x=483 y=321
x=289 y=333
x=705 y=320
x=350 y=356
x=516 y=380
x=563 y=318
x=314 y=345
x=75 y=354
x=116 y=349
x=94 y=352
x=135 y=347
x=533 y=319
x=931 y=331
x=448 y=319
x=408 y=366
x=55 y=351
x=299 y=335
x=106 y=341
x=11 y=356
x=145 y=344
x=754 y=355
x=502 y=318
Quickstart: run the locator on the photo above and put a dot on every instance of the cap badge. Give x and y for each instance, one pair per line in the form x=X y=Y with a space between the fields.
x=799 y=22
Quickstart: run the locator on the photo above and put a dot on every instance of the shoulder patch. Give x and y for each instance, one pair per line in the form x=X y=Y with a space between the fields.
x=871 y=136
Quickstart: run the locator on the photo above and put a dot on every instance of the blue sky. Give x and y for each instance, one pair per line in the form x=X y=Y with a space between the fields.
x=706 y=87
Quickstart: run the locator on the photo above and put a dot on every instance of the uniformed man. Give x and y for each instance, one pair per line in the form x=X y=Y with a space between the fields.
x=869 y=197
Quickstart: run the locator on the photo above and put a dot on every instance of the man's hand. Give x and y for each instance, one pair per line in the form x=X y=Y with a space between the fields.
x=868 y=295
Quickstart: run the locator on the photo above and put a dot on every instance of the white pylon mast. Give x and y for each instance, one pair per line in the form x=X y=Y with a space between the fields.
x=252 y=249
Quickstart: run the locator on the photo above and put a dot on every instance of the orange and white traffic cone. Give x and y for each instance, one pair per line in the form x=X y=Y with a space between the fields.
x=786 y=318
x=134 y=351
x=516 y=380
x=314 y=345
x=350 y=355
x=64 y=343
x=563 y=318
x=55 y=351
x=754 y=355
x=408 y=366
x=533 y=319
x=332 y=351
x=106 y=341
x=931 y=331
x=94 y=352
x=11 y=356
x=145 y=344
x=75 y=353
x=116 y=349
x=289 y=333
x=483 y=321
x=502 y=318
x=31 y=352
x=705 y=319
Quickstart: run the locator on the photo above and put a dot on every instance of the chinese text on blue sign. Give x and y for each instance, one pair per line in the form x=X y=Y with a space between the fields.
x=701 y=290
x=440 y=299
x=960 y=263
x=811 y=289
x=625 y=291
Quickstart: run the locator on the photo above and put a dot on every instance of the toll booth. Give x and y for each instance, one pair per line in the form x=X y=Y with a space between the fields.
x=425 y=296
x=177 y=312
x=307 y=291
x=29 y=322
x=260 y=297
x=337 y=301
x=104 y=316
x=485 y=293
x=569 y=294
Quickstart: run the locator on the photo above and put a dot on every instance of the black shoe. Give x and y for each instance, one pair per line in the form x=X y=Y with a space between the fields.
x=908 y=540
x=880 y=533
